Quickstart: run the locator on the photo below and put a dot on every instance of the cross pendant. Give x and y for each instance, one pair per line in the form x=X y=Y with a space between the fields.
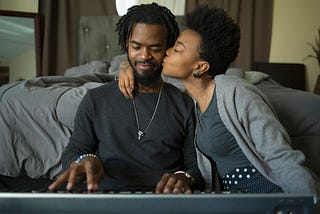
x=140 y=134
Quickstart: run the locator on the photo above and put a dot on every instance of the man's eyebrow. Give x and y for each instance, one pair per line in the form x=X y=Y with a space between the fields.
x=138 y=43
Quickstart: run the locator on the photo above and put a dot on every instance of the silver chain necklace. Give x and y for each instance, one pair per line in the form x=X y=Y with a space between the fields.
x=140 y=132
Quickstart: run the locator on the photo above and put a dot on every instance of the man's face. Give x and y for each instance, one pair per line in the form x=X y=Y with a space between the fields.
x=146 y=50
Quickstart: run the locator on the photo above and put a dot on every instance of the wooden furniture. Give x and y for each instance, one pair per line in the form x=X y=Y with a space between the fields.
x=291 y=75
x=4 y=75
x=317 y=86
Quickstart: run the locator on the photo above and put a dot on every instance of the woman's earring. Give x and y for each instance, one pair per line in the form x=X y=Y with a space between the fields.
x=196 y=74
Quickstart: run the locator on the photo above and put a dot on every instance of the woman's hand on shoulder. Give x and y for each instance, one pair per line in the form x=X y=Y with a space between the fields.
x=126 y=80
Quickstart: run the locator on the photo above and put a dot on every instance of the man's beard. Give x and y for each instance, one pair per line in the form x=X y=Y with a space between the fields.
x=146 y=78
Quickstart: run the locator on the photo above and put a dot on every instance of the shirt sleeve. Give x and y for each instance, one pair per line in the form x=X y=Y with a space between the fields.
x=83 y=139
x=190 y=156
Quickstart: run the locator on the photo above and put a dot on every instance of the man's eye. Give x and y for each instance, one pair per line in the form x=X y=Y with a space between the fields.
x=135 y=47
x=156 y=50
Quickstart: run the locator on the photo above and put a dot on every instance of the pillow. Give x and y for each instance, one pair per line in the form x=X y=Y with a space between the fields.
x=97 y=67
x=115 y=62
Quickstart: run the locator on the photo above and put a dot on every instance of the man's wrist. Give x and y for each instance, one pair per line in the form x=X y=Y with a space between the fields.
x=85 y=156
x=187 y=175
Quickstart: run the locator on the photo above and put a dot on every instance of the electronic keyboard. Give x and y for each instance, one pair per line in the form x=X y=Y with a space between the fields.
x=143 y=203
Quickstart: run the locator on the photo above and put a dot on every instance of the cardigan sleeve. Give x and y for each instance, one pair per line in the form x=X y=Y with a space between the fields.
x=251 y=119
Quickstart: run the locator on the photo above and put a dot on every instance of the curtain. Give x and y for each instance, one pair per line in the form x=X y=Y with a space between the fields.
x=255 y=20
x=177 y=7
x=60 y=30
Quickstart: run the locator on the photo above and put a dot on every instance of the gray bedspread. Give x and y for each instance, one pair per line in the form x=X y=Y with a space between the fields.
x=37 y=120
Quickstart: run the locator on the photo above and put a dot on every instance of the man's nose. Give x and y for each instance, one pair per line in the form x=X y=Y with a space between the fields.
x=145 y=53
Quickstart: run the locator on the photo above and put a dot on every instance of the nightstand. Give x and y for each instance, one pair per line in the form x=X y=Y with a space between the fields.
x=317 y=86
x=4 y=75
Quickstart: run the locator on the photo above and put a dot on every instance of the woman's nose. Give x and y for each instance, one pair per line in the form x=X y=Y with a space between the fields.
x=168 y=51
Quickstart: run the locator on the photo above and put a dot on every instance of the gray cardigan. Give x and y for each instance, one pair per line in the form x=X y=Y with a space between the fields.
x=249 y=116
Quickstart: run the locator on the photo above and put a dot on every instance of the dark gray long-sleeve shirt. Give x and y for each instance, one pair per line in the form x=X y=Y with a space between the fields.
x=105 y=124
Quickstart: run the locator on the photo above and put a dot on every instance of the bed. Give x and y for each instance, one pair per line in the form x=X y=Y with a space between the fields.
x=37 y=114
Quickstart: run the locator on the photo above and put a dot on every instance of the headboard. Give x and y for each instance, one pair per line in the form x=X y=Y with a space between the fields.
x=98 y=39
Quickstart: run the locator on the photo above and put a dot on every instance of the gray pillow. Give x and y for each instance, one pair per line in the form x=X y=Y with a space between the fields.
x=93 y=67
x=115 y=62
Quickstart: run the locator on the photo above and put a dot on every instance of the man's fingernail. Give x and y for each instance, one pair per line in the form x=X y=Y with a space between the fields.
x=68 y=186
x=90 y=187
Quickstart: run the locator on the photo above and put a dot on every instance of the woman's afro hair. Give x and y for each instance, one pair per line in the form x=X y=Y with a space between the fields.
x=220 y=37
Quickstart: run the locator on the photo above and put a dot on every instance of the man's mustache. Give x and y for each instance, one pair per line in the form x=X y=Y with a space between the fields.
x=146 y=62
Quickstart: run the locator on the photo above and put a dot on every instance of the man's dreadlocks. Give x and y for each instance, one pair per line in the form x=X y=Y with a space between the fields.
x=147 y=14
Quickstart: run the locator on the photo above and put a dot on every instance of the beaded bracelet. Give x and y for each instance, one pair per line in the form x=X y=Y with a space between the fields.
x=84 y=156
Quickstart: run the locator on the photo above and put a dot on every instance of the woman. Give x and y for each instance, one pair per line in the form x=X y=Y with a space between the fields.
x=237 y=128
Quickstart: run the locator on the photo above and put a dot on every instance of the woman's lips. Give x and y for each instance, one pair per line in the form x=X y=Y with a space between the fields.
x=163 y=61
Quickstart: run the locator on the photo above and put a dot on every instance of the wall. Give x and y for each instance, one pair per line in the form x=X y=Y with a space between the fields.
x=295 y=23
x=25 y=70
x=20 y=5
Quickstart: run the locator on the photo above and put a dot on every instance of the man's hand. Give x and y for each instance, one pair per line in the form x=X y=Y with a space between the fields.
x=126 y=80
x=89 y=168
x=173 y=183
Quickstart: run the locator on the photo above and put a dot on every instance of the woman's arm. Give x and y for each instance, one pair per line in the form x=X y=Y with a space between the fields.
x=126 y=80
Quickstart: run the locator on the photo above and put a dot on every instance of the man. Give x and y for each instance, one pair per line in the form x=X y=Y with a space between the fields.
x=145 y=144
